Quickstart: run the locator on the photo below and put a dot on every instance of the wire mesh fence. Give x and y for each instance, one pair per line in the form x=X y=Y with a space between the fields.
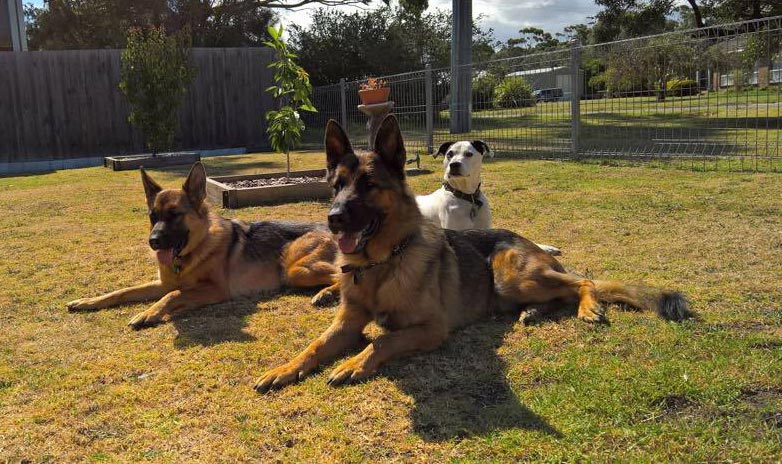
x=705 y=98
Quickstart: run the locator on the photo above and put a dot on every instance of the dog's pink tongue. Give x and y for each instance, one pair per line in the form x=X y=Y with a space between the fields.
x=165 y=257
x=347 y=242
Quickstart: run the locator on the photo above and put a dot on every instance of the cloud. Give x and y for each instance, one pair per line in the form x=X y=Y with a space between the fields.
x=505 y=17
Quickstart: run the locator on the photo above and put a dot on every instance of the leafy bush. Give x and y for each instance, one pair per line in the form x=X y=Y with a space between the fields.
x=618 y=84
x=681 y=87
x=513 y=92
x=483 y=91
x=155 y=75
x=293 y=93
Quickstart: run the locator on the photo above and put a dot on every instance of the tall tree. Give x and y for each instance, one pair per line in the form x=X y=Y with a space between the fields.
x=414 y=5
x=696 y=11
x=530 y=40
x=227 y=23
x=720 y=11
x=620 y=19
x=79 y=24
x=382 y=41
x=534 y=38
x=580 y=32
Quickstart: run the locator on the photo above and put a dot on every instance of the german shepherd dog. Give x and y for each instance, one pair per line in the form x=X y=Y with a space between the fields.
x=205 y=259
x=420 y=282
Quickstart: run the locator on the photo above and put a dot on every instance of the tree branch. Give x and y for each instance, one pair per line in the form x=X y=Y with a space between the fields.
x=288 y=5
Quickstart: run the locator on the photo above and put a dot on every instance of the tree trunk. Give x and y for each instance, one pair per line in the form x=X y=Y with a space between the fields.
x=287 y=164
x=697 y=12
x=663 y=89
x=756 y=13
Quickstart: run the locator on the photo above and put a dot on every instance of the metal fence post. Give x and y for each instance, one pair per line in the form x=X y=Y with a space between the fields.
x=461 y=67
x=575 y=97
x=429 y=110
x=343 y=104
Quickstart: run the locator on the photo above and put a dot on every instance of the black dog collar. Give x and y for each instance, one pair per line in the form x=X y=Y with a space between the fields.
x=472 y=198
x=359 y=270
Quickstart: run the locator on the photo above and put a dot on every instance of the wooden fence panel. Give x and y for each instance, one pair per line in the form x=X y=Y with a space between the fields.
x=67 y=104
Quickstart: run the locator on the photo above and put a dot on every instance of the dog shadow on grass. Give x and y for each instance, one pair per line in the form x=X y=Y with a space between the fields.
x=461 y=389
x=224 y=322
x=215 y=324
x=218 y=323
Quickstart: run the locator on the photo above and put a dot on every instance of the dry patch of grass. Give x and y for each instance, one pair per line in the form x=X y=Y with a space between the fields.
x=85 y=387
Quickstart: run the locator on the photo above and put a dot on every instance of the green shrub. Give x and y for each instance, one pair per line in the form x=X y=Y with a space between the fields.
x=616 y=83
x=155 y=75
x=483 y=91
x=513 y=92
x=292 y=93
x=681 y=87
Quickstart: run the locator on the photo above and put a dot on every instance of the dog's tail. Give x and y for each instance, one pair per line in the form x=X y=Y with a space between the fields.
x=670 y=305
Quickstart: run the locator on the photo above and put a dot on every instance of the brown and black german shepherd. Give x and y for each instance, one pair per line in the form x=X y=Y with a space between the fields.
x=204 y=259
x=421 y=282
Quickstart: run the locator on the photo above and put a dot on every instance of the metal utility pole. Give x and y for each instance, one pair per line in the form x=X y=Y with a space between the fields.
x=12 y=32
x=461 y=69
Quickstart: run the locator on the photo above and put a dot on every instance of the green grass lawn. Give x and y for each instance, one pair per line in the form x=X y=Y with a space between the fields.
x=85 y=387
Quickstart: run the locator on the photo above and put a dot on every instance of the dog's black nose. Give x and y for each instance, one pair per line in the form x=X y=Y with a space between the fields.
x=455 y=167
x=337 y=218
x=155 y=241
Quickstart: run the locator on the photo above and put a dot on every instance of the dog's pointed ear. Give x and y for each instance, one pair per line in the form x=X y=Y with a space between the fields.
x=390 y=146
x=195 y=185
x=337 y=144
x=151 y=188
x=443 y=149
x=483 y=148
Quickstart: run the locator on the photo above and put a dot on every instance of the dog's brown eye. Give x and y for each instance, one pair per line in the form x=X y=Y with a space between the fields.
x=468 y=154
x=371 y=185
x=449 y=155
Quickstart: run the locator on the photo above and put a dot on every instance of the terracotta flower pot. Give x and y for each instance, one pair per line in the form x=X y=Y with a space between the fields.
x=374 y=96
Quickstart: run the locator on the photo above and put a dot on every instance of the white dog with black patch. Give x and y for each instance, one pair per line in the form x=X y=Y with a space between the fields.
x=459 y=204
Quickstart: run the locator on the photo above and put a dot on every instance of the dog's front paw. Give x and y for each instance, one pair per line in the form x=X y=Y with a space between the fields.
x=83 y=304
x=144 y=319
x=353 y=370
x=553 y=251
x=594 y=314
x=529 y=315
x=279 y=377
x=325 y=297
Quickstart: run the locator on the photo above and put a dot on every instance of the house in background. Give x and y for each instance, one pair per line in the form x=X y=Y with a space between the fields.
x=12 y=33
x=760 y=76
x=546 y=78
x=764 y=72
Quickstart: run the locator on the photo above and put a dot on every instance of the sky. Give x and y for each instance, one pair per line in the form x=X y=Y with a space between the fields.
x=506 y=17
